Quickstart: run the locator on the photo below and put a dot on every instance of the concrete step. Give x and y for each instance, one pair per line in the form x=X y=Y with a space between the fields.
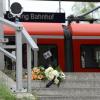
x=73 y=80
x=82 y=76
x=76 y=86
x=68 y=98
x=66 y=84
x=69 y=92
x=10 y=83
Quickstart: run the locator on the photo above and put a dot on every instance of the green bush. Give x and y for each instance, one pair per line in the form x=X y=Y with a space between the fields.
x=5 y=93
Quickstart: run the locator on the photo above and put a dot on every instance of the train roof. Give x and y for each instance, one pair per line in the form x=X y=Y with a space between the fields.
x=38 y=29
x=55 y=29
x=85 y=29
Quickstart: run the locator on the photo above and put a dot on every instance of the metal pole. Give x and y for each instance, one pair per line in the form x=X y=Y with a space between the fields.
x=29 y=67
x=1 y=36
x=8 y=5
x=19 y=61
x=59 y=6
x=35 y=55
x=8 y=54
x=4 y=6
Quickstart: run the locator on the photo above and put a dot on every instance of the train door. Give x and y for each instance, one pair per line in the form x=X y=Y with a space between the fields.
x=47 y=47
x=48 y=55
x=56 y=48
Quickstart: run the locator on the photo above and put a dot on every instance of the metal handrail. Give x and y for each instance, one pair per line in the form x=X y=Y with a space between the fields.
x=30 y=41
x=8 y=54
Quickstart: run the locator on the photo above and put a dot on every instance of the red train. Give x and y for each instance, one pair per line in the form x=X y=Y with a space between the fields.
x=75 y=48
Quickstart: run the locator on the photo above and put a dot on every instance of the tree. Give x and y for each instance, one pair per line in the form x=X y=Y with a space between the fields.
x=80 y=8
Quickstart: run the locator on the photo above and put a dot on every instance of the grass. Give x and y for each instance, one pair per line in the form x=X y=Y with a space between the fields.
x=5 y=93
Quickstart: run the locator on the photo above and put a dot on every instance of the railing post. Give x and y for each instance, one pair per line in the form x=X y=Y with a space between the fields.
x=29 y=67
x=19 y=61
x=1 y=36
x=30 y=44
x=35 y=55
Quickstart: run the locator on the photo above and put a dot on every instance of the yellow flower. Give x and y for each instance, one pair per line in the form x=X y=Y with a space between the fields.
x=36 y=70
x=34 y=77
x=40 y=77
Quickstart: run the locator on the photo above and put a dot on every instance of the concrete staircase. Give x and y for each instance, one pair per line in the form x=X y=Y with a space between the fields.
x=77 y=86
x=10 y=83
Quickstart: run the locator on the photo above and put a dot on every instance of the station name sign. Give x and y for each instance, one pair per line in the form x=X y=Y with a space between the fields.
x=38 y=17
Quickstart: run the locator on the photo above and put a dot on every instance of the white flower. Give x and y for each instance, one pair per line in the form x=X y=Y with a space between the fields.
x=55 y=73
x=50 y=76
x=50 y=73
x=56 y=81
x=49 y=69
x=62 y=75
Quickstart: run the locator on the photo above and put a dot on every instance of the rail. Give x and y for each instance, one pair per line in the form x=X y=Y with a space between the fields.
x=8 y=54
x=20 y=30
x=29 y=40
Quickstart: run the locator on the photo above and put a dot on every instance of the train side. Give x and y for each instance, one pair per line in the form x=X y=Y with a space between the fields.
x=49 y=37
x=75 y=48
x=86 y=47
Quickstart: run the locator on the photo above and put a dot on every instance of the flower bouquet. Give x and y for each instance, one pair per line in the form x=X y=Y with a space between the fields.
x=54 y=76
x=38 y=73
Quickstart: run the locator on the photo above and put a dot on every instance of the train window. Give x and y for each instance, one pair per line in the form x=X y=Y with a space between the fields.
x=90 y=56
x=49 y=50
x=11 y=40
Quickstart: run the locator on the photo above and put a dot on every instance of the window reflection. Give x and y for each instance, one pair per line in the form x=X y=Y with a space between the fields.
x=90 y=56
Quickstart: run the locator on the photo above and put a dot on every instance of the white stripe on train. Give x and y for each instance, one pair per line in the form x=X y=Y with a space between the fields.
x=85 y=37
